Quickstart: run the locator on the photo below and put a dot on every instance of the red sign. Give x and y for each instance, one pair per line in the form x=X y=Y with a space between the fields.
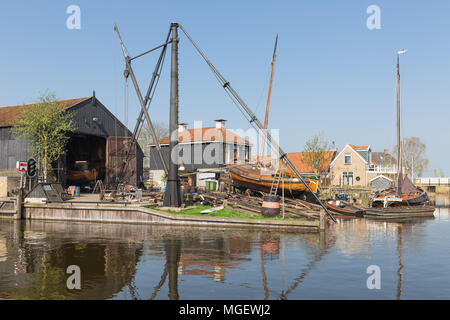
x=23 y=166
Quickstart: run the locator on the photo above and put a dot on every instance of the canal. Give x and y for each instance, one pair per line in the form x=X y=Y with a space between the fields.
x=125 y=261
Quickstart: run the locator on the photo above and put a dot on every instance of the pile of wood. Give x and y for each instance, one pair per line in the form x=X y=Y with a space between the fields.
x=293 y=208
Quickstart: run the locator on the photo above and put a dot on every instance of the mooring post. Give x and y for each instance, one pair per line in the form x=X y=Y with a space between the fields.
x=19 y=200
x=322 y=220
x=172 y=196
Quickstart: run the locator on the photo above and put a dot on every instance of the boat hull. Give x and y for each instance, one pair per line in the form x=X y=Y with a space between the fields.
x=254 y=180
x=346 y=209
x=382 y=199
x=79 y=177
x=400 y=213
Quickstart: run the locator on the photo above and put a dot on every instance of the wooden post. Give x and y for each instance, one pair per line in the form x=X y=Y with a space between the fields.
x=19 y=199
x=322 y=220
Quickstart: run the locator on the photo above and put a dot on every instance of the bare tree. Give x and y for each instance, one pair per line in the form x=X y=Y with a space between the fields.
x=146 y=137
x=413 y=152
x=438 y=173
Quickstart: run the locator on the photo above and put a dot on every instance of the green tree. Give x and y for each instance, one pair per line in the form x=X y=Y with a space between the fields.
x=316 y=153
x=413 y=152
x=46 y=125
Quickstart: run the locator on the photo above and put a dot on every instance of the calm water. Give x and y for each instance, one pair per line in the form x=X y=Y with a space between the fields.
x=155 y=262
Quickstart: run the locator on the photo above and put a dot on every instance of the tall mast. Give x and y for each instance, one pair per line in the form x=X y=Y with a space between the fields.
x=266 y=118
x=399 y=141
x=399 y=153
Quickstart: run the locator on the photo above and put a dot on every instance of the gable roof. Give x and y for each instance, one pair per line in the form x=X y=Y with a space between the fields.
x=9 y=114
x=352 y=147
x=299 y=161
x=205 y=135
x=380 y=177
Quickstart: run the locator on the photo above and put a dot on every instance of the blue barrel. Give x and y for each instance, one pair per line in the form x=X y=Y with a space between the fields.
x=77 y=192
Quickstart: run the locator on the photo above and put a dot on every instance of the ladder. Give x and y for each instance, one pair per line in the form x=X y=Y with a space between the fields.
x=276 y=180
x=99 y=186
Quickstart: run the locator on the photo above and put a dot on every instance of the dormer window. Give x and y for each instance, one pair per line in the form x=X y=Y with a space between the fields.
x=348 y=158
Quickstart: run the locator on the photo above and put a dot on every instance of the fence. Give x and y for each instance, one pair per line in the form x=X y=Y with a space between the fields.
x=433 y=181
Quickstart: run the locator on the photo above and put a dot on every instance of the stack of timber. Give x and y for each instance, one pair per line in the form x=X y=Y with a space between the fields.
x=294 y=208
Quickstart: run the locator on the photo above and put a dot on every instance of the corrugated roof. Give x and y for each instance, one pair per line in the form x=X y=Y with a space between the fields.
x=204 y=135
x=9 y=114
x=298 y=160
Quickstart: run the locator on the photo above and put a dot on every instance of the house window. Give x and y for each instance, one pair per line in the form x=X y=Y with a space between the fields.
x=347 y=178
x=348 y=158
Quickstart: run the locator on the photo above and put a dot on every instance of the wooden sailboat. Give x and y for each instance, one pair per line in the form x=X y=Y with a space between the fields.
x=247 y=177
x=261 y=179
x=404 y=198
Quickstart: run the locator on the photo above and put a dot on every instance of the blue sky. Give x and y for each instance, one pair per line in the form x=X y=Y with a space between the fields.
x=333 y=74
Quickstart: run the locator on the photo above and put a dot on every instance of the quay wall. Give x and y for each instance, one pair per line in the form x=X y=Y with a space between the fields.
x=141 y=215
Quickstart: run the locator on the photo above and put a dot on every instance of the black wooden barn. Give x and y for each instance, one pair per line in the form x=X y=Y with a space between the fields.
x=97 y=145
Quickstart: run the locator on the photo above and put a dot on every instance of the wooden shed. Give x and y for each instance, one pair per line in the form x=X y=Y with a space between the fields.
x=87 y=149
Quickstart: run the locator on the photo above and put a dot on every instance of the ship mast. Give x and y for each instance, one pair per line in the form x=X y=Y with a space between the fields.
x=266 y=118
x=399 y=141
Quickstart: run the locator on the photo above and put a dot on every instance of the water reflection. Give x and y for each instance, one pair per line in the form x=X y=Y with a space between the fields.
x=35 y=257
x=440 y=200
x=164 y=262
x=400 y=264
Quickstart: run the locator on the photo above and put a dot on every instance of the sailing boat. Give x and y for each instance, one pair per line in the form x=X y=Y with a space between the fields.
x=261 y=179
x=404 y=194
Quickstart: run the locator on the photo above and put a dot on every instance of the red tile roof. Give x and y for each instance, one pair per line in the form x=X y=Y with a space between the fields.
x=298 y=160
x=204 y=135
x=9 y=114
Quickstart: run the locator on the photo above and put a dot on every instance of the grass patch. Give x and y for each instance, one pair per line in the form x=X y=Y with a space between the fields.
x=225 y=213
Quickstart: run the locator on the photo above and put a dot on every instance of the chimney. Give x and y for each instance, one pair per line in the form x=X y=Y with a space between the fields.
x=182 y=126
x=386 y=151
x=220 y=123
x=333 y=147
